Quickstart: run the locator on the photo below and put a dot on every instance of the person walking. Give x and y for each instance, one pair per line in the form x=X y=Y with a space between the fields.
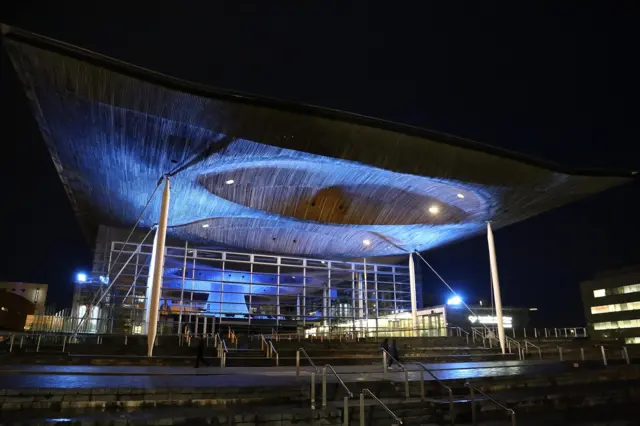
x=393 y=350
x=200 y=356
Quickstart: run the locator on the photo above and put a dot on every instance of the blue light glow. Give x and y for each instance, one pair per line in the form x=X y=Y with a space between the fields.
x=455 y=300
x=81 y=277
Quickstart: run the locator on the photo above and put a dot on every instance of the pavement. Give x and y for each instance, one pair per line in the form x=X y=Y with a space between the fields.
x=54 y=376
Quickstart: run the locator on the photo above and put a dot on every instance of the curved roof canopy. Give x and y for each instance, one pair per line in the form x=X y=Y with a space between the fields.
x=265 y=175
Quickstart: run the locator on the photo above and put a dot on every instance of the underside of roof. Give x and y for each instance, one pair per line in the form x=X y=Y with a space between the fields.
x=264 y=175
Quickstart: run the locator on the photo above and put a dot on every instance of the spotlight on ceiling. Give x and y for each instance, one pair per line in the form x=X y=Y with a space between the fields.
x=230 y=182
x=460 y=196
x=366 y=242
x=206 y=225
x=434 y=209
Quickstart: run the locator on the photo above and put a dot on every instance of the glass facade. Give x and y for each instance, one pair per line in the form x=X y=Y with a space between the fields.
x=616 y=307
x=625 y=289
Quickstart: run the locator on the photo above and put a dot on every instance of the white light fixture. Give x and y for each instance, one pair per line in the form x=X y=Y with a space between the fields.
x=434 y=209
x=460 y=196
x=366 y=242
x=230 y=182
x=206 y=225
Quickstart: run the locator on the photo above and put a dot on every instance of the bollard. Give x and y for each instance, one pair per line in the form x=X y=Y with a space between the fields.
x=406 y=383
x=313 y=391
x=384 y=361
x=362 y=409
x=421 y=384
x=582 y=354
x=625 y=354
x=604 y=355
x=345 y=413
x=324 y=387
x=11 y=342
x=64 y=343
x=297 y=363
x=38 y=346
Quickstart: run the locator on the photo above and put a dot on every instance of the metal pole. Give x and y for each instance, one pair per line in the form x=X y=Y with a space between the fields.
x=625 y=354
x=64 y=343
x=496 y=286
x=414 y=303
x=406 y=384
x=345 y=412
x=604 y=355
x=535 y=333
x=297 y=363
x=362 y=423
x=473 y=407
x=313 y=391
x=560 y=352
x=38 y=346
x=582 y=354
x=324 y=387
x=21 y=340
x=158 y=265
x=384 y=361
x=421 y=384
x=11 y=342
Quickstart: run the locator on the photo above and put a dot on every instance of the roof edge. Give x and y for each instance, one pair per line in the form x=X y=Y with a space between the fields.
x=173 y=83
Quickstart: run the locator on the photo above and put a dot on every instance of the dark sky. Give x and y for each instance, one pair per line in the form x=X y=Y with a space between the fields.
x=557 y=80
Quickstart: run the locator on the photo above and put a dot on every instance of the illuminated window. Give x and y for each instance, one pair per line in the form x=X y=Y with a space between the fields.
x=625 y=289
x=632 y=340
x=617 y=307
x=612 y=325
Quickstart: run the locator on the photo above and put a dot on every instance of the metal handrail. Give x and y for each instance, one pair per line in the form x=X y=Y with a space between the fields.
x=349 y=393
x=441 y=383
x=511 y=412
x=528 y=343
x=273 y=349
x=387 y=409
x=309 y=359
x=224 y=346
x=393 y=358
x=216 y=339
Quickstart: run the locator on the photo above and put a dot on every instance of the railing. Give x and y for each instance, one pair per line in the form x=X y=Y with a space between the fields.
x=526 y=348
x=472 y=390
x=308 y=358
x=272 y=350
x=458 y=331
x=385 y=354
x=222 y=353
x=375 y=398
x=441 y=383
x=513 y=342
x=324 y=384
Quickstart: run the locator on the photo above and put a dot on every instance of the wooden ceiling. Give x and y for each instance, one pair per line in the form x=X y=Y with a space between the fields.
x=306 y=181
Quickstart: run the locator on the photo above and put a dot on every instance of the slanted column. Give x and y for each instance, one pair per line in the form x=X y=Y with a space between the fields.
x=154 y=285
x=414 y=302
x=496 y=286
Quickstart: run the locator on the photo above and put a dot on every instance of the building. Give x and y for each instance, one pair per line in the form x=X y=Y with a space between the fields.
x=34 y=293
x=269 y=214
x=14 y=309
x=612 y=305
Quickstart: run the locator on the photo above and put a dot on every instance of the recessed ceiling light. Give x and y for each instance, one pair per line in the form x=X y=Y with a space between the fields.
x=434 y=209
x=366 y=242
x=206 y=225
x=460 y=196
x=230 y=181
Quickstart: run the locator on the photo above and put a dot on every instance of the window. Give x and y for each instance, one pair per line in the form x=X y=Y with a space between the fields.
x=632 y=340
x=625 y=289
x=617 y=307
x=612 y=325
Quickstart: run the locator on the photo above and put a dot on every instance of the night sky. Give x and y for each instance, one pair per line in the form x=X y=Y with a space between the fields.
x=558 y=81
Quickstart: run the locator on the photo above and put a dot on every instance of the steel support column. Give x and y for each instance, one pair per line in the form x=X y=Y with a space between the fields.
x=496 y=286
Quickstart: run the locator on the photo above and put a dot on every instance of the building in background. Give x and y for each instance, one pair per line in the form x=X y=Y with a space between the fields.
x=612 y=305
x=14 y=310
x=33 y=292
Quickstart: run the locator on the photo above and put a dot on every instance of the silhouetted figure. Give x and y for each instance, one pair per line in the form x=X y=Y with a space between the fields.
x=393 y=350
x=200 y=356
